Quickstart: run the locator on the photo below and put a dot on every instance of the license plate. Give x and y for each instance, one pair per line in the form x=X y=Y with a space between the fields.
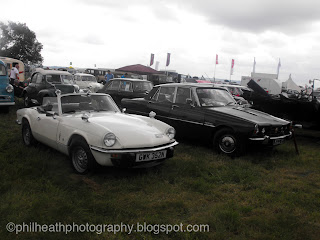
x=140 y=157
x=277 y=141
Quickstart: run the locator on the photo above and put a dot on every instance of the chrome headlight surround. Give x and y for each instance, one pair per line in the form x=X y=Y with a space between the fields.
x=9 y=88
x=256 y=129
x=109 y=139
x=171 y=133
x=76 y=88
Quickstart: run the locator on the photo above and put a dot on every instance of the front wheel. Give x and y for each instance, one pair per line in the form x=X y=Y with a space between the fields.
x=27 y=136
x=81 y=157
x=226 y=141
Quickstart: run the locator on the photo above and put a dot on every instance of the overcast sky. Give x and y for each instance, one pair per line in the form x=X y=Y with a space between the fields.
x=116 y=33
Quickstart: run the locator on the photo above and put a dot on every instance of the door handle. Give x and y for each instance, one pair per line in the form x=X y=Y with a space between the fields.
x=174 y=106
x=38 y=118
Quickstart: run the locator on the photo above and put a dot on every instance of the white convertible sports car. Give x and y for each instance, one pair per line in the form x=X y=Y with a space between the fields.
x=91 y=129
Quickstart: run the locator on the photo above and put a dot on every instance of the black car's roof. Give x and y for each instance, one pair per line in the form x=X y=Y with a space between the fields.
x=130 y=79
x=191 y=85
x=51 y=72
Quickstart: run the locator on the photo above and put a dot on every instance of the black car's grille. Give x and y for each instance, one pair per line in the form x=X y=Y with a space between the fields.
x=275 y=131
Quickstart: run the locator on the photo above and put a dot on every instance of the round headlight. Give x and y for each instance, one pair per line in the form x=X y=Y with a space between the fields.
x=76 y=88
x=9 y=88
x=109 y=139
x=171 y=133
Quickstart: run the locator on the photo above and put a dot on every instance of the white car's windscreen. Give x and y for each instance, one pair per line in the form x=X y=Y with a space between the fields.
x=87 y=102
x=47 y=101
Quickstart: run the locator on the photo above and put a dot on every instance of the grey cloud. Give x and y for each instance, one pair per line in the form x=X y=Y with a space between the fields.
x=257 y=15
x=158 y=8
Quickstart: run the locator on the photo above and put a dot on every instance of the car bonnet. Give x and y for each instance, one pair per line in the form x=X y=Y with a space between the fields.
x=250 y=115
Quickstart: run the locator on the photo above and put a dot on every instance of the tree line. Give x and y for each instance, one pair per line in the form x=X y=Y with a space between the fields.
x=19 y=42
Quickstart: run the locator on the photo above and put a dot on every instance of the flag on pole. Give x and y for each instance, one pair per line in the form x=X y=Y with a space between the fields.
x=232 y=64
x=279 y=65
x=217 y=59
x=151 y=59
x=168 y=59
x=254 y=65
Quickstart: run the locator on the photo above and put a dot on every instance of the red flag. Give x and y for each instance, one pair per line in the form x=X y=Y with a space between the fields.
x=217 y=59
x=232 y=64
x=151 y=59
x=168 y=59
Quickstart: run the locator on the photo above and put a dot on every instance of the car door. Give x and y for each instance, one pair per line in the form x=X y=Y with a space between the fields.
x=31 y=89
x=161 y=102
x=113 y=89
x=46 y=128
x=41 y=84
x=125 y=90
x=187 y=114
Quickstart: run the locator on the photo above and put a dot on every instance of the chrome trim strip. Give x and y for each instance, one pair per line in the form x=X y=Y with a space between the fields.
x=187 y=121
x=7 y=103
x=103 y=150
x=270 y=138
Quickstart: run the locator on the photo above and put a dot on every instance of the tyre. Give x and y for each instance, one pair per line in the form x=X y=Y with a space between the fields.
x=27 y=136
x=227 y=142
x=81 y=157
x=26 y=101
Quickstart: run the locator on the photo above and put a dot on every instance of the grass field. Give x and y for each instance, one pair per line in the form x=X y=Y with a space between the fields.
x=266 y=194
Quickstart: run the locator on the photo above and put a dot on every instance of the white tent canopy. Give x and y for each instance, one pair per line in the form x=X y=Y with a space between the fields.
x=267 y=81
x=290 y=85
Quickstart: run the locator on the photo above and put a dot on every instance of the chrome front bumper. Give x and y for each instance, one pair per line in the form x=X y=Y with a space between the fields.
x=267 y=139
x=103 y=150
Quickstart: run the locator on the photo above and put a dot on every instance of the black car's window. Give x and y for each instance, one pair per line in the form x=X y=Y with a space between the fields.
x=211 y=97
x=53 y=79
x=182 y=95
x=114 y=85
x=142 y=86
x=3 y=71
x=166 y=94
x=34 y=78
x=156 y=94
x=126 y=86
x=39 y=78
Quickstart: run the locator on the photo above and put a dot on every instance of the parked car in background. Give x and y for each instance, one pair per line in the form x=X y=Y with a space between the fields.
x=120 y=88
x=44 y=83
x=6 y=89
x=207 y=112
x=87 y=82
x=90 y=128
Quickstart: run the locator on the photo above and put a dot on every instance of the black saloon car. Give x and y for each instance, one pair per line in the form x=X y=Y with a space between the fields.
x=120 y=88
x=44 y=83
x=201 y=110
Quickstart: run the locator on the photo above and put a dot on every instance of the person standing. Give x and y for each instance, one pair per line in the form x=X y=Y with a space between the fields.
x=108 y=76
x=14 y=75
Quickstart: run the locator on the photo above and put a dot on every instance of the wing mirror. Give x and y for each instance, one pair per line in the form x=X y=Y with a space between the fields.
x=124 y=110
x=85 y=117
x=152 y=114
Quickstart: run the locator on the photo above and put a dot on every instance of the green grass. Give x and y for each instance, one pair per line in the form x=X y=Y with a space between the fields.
x=266 y=194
